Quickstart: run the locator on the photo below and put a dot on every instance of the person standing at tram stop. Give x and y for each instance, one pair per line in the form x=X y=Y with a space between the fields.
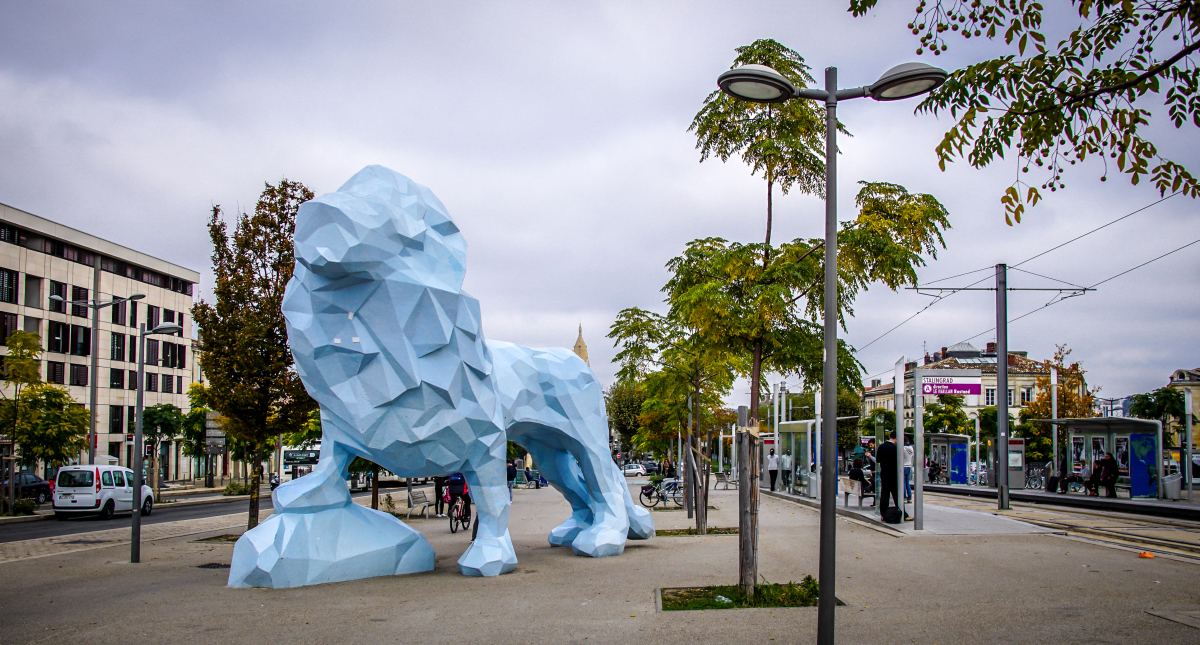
x=439 y=490
x=773 y=467
x=785 y=464
x=908 y=466
x=887 y=475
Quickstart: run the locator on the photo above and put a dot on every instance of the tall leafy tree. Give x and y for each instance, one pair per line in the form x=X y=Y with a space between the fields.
x=785 y=141
x=1075 y=401
x=20 y=370
x=1164 y=404
x=674 y=362
x=946 y=415
x=193 y=428
x=251 y=382
x=766 y=305
x=624 y=406
x=1097 y=92
x=53 y=428
x=160 y=424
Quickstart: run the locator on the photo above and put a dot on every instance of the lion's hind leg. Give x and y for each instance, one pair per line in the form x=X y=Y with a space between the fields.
x=560 y=468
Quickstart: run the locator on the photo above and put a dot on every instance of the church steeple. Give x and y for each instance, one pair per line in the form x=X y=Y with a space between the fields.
x=581 y=347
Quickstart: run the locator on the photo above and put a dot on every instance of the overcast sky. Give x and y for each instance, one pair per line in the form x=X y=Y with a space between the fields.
x=556 y=134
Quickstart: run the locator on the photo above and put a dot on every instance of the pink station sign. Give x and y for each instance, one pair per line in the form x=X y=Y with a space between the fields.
x=958 y=385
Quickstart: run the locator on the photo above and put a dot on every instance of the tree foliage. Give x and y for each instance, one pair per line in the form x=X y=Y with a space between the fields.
x=1164 y=404
x=1093 y=93
x=946 y=415
x=160 y=423
x=193 y=427
x=624 y=405
x=765 y=303
x=53 y=428
x=784 y=141
x=251 y=381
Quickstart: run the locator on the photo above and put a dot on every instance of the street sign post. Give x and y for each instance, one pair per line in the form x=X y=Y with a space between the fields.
x=934 y=382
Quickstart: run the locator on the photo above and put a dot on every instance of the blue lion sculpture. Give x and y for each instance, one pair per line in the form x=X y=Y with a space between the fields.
x=393 y=350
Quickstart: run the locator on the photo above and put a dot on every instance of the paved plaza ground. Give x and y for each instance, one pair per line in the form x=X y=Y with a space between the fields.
x=1009 y=588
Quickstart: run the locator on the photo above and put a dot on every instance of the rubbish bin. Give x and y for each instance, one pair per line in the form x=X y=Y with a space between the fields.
x=1172 y=485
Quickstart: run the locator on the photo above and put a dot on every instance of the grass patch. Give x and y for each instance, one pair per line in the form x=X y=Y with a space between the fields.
x=712 y=530
x=792 y=594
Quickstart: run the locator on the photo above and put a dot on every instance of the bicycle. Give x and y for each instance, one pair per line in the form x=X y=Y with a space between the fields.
x=460 y=513
x=667 y=489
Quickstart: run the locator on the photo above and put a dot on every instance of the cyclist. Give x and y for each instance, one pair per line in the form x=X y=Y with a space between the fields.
x=456 y=486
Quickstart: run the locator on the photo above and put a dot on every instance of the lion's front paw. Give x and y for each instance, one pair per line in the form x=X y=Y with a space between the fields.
x=347 y=543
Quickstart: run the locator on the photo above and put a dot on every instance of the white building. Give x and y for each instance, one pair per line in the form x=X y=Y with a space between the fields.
x=39 y=259
x=1022 y=380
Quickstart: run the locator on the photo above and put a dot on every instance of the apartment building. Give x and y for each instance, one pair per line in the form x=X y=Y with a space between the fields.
x=39 y=259
x=1022 y=380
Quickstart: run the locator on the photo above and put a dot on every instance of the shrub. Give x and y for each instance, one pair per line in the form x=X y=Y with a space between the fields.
x=24 y=507
x=236 y=488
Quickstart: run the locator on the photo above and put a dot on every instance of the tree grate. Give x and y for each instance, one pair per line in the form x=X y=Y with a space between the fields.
x=213 y=565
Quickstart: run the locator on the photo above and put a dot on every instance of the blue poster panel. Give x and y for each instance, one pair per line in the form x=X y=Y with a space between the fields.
x=958 y=463
x=1143 y=466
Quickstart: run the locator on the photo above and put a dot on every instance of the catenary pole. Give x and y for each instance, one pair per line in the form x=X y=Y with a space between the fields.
x=1002 y=385
x=1054 y=415
x=828 y=550
x=135 y=545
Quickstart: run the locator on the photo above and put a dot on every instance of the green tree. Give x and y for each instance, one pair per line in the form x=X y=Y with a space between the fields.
x=1164 y=404
x=946 y=415
x=160 y=424
x=1039 y=443
x=764 y=303
x=20 y=370
x=989 y=427
x=886 y=419
x=784 y=141
x=251 y=382
x=1075 y=399
x=674 y=362
x=624 y=405
x=1094 y=93
x=193 y=428
x=53 y=428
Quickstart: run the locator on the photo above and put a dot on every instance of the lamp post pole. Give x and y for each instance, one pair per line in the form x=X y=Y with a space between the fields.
x=135 y=544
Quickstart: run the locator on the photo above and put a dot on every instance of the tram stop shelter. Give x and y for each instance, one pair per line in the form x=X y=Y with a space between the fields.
x=951 y=451
x=1137 y=445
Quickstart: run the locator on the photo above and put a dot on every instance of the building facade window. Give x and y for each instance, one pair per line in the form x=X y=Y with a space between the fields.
x=151 y=356
x=168 y=354
x=58 y=289
x=118 y=313
x=181 y=357
x=117 y=347
x=81 y=340
x=79 y=375
x=1010 y=397
x=152 y=316
x=133 y=315
x=168 y=384
x=131 y=420
x=33 y=291
x=989 y=397
x=179 y=384
x=79 y=294
x=116 y=379
x=1026 y=396
x=151 y=382
x=116 y=419
x=8 y=285
x=56 y=372
x=132 y=381
x=58 y=339
x=8 y=324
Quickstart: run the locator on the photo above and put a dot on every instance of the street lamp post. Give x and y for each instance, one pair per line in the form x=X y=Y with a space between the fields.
x=135 y=545
x=761 y=84
x=95 y=306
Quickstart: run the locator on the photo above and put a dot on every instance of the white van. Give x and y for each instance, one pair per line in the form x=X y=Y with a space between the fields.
x=97 y=490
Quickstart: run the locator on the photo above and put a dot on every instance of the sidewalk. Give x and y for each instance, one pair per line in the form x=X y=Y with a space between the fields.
x=926 y=588
x=938 y=519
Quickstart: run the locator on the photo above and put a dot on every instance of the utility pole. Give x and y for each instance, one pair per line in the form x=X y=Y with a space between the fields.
x=1002 y=384
x=1054 y=415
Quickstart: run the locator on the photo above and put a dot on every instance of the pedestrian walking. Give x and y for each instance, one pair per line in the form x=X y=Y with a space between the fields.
x=439 y=489
x=512 y=476
x=772 y=467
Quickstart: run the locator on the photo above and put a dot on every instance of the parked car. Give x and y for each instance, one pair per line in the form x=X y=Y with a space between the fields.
x=32 y=487
x=98 y=490
x=651 y=467
x=631 y=470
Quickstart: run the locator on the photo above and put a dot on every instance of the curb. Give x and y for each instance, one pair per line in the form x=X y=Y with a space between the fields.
x=42 y=516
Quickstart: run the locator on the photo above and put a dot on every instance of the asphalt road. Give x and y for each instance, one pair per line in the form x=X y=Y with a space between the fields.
x=162 y=513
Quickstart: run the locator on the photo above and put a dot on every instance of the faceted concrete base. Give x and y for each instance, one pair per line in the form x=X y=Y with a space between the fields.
x=333 y=545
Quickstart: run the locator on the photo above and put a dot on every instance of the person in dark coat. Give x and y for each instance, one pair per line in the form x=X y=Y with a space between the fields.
x=439 y=491
x=888 y=474
x=1109 y=474
x=856 y=474
x=457 y=485
x=512 y=477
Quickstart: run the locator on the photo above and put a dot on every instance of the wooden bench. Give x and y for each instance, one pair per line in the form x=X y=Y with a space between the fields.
x=724 y=480
x=418 y=501
x=853 y=487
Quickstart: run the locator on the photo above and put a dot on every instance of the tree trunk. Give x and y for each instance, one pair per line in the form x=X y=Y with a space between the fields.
x=255 y=485
x=748 y=486
x=686 y=480
x=770 y=191
x=375 y=486
x=156 y=478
